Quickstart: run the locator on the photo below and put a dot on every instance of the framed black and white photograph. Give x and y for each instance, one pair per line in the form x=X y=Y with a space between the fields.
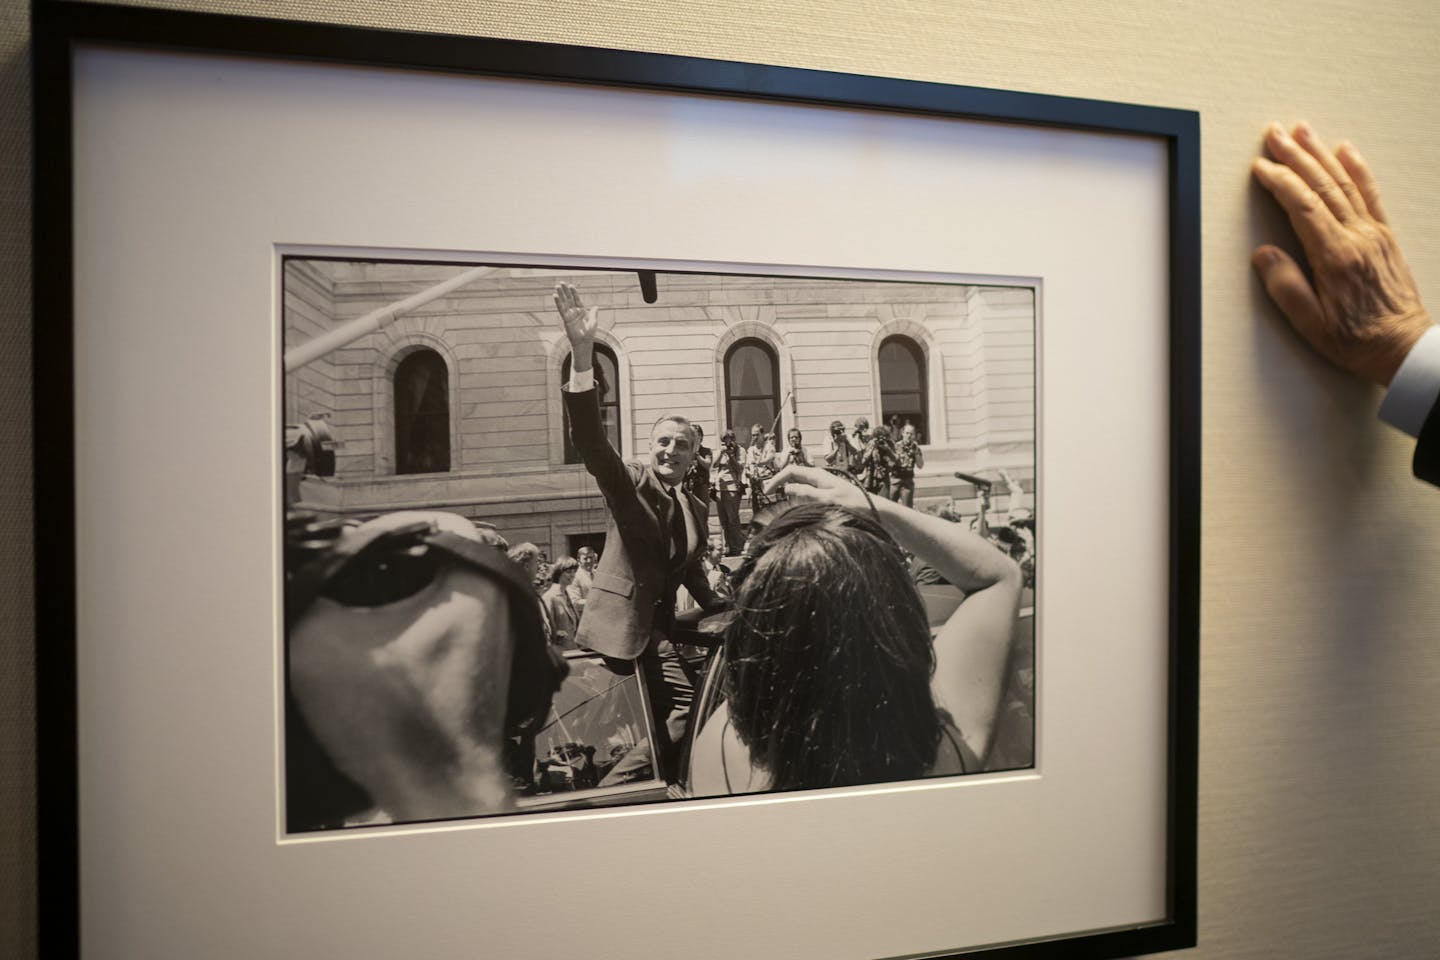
x=432 y=394
x=499 y=485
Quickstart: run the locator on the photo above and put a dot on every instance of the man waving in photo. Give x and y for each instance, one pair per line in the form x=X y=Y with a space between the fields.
x=655 y=535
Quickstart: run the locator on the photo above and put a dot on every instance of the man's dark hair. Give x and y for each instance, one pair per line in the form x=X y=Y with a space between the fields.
x=829 y=656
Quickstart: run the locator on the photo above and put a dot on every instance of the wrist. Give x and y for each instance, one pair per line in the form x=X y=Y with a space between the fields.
x=582 y=356
x=1405 y=332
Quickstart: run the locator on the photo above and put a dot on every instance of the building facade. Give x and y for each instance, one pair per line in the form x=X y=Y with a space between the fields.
x=455 y=404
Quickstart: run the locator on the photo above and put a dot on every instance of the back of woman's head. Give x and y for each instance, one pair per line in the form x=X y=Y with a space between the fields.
x=829 y=657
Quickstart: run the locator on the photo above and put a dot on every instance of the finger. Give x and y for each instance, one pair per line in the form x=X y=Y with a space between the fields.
x=1284 y=148
x=1306 y=136
x=798 y=475
x=1314 y=224
x=786 y=475
x=1359 y=171
x=1288 y=287
x=800 y=492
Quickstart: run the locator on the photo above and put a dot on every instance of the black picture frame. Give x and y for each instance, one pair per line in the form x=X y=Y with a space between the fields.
x=59 y=27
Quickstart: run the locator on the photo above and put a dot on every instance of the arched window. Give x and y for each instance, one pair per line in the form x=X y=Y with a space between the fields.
x=752 y=387
x=902 y=386
x=422 y=414
x=607 y=382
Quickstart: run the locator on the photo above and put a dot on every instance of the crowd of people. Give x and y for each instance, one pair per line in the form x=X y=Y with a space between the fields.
x=883 y=460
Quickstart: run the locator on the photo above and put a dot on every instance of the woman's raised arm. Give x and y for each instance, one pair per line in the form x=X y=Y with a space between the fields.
x=972 y=647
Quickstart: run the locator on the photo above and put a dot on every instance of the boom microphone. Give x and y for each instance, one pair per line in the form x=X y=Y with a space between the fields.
x=982 y=485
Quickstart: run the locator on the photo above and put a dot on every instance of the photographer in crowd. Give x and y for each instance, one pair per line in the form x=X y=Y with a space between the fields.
x=729 y=484
x=840 y=454
x=697 y=478
x=859 y=439
x=908 y=458
x=877 y=462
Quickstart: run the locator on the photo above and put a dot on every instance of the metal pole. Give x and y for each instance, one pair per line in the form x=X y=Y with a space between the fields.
x=375 y=320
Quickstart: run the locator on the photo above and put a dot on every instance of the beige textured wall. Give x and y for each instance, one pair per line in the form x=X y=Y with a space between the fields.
x=1320 y=764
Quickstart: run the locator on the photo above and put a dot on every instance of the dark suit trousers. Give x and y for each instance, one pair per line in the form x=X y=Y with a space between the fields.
x=670 y=682
x=730 y=522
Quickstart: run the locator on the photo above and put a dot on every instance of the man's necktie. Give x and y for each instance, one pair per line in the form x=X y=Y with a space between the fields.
x=678 y=543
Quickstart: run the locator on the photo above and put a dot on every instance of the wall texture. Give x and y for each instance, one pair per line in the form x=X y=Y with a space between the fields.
x=1320 y=741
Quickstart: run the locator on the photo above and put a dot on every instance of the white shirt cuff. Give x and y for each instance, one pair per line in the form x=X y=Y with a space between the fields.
x=580 y=381
x=1416 y=385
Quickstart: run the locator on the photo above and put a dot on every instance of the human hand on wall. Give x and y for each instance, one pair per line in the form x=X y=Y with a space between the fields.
x=1359 y=308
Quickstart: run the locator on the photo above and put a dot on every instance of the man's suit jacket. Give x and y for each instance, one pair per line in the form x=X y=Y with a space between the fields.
x=1427 y=448
x=632 y=589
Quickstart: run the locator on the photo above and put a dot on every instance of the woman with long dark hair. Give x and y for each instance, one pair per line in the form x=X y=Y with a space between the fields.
x=831 y=675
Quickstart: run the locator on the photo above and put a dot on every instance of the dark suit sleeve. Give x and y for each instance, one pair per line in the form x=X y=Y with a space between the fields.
x=699 y=587
x=1427 y=448
x=588 y=436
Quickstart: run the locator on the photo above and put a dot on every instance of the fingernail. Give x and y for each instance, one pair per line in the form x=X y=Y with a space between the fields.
x=1303 y=129
x=1276 y=130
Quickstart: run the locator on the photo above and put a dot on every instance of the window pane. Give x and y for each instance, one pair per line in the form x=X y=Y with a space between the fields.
x=746 y=413
x=607 y=385
x=422 y=414
x=751 y=375
x=902 y=386
x=899 y=369
x=750 y=372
